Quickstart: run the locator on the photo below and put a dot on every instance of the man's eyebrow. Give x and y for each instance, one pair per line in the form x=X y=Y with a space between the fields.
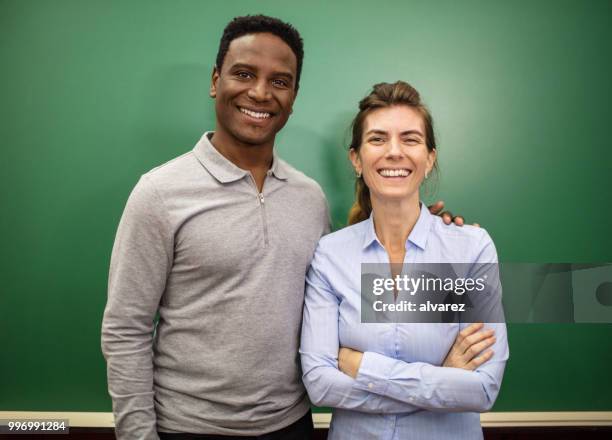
x=246 y=66
x=242 y=66
x=287 y=75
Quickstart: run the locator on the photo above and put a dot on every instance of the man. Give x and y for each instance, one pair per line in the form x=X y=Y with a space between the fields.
x=218 y=242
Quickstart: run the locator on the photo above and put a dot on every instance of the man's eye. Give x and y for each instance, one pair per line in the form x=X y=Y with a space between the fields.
x=280 y=83
x=244 y=75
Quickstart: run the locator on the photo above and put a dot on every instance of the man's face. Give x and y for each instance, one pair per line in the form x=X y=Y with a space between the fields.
x=255 y=89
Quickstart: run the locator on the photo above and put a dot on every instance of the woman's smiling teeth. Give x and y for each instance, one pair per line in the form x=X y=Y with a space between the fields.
x=391 y=172
x=258 y=115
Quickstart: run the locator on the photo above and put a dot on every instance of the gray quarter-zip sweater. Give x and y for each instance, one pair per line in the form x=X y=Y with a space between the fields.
x=225 y=268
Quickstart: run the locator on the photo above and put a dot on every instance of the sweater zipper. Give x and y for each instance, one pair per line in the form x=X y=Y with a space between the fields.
x=263 y=217
x=262 y=201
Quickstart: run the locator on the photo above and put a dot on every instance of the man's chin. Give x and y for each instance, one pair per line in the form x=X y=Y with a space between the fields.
x=255 y=139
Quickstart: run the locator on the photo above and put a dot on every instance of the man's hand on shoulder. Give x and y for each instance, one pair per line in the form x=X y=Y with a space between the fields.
x=447 y=216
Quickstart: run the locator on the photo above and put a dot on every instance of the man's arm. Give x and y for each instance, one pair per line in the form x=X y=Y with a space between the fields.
x=140 y=262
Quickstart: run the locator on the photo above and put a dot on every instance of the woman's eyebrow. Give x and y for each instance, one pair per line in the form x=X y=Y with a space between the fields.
x=408 y=132
x=383 y=132
x=376 y=131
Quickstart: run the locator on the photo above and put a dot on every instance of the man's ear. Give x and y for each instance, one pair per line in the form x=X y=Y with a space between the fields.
x=213 y=83
x=293 y=101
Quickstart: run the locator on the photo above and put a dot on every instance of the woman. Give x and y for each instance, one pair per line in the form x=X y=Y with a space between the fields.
x=396 y=381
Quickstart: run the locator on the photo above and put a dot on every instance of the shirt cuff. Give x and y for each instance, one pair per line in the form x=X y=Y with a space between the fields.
x=374 y=373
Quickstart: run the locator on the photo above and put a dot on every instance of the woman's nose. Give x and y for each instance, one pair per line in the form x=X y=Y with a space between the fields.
x=394 y=149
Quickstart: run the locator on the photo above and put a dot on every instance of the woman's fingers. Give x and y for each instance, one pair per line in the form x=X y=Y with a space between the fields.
x=467 y=332
x=479 y=360
x=475 y=349
x=473 y=339
x=467 y=351
x=470 y=329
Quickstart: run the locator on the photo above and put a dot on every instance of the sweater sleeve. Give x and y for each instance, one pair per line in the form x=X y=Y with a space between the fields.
x=140 y=262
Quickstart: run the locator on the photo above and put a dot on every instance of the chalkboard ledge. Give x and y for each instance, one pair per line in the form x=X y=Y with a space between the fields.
x=321 y=420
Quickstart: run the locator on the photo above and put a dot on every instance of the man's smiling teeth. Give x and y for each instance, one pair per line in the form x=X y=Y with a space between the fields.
x=253 y=114
x=394 y=172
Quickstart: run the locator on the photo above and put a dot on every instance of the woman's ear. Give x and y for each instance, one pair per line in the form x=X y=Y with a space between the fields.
x=431 y=160
x=355 y=160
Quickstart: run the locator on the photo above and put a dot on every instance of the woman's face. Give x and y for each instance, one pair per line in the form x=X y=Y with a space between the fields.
x=393 y=157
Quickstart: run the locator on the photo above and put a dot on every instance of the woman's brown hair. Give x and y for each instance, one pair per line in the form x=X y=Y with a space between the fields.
x=384 y=95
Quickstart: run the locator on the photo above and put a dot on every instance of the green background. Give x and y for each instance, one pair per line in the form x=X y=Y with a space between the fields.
x=95 y=93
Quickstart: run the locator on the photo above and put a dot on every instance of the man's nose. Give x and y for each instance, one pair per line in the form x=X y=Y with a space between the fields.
x=260 y=91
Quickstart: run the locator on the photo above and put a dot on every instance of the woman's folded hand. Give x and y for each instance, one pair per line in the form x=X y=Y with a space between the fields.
x=468 y=351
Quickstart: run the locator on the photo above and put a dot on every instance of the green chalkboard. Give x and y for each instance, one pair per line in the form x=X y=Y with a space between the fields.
x=95 y=93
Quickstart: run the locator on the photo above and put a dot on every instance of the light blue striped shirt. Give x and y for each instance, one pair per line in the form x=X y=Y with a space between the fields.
x=401 y=390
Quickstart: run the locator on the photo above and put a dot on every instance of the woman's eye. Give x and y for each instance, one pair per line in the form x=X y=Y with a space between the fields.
x=376 y=140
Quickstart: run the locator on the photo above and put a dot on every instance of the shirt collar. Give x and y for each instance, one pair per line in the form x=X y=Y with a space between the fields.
x=370 y=233
x=223 y=169
x=418 y=235
x=278 y=168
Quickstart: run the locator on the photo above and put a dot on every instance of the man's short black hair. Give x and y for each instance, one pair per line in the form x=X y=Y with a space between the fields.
x=254 y=24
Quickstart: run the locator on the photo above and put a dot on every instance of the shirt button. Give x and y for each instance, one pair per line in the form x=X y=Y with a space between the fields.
x=370 y=385
x=269 y=173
